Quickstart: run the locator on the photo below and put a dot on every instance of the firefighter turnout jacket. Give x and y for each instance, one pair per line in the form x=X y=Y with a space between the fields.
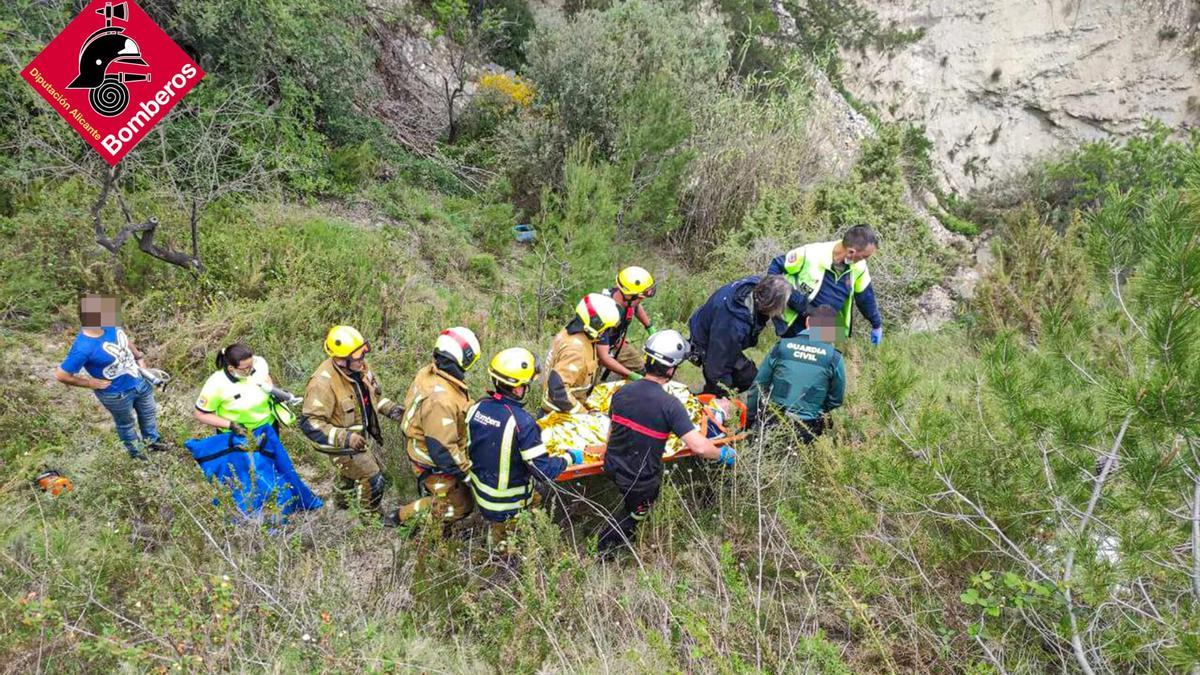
x=436 y=407
x=570 y=371
x=338 y=402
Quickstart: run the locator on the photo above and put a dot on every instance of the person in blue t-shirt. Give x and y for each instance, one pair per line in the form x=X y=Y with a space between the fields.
x=112 y=364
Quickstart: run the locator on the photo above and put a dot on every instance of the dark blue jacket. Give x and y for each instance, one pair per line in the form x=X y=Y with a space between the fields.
x=507 y=453
x=724 y=327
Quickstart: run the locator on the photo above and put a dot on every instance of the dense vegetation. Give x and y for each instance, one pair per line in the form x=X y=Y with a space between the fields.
x=1016 y=492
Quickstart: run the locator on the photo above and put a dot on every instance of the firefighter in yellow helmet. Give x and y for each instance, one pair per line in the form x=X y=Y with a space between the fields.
x=634 y=284
x=507 y=453
x=572 y=364
x=342 y=405
x=435 y=424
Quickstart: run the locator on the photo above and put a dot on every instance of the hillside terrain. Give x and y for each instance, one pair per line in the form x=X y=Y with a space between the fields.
x=1001 y=85
x=1013 y=483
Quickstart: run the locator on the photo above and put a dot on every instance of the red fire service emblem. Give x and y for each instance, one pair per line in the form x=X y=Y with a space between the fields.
x=112 y=73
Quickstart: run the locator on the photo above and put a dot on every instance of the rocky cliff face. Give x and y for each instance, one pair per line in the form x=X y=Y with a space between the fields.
x=416 y=74
x=1000 y=83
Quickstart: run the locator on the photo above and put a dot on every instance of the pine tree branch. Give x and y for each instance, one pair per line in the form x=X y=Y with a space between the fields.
x=1196 y=540
x=1121 y=301
x=1195 y=526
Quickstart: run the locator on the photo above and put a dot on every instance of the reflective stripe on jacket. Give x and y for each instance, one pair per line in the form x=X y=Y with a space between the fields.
x=570 y=370
x=809 y=267
x=434 y=421
x=333 y=407
x=507 y=452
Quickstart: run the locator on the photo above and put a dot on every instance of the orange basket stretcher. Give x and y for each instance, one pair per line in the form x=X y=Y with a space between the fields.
x=596 y=467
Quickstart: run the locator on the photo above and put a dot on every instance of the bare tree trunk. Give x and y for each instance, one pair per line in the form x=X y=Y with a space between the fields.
x=1196 y=539
x=1069 y=567
x=459 y=67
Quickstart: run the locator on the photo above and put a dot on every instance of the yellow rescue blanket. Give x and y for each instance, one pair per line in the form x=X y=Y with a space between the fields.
x=564 y=431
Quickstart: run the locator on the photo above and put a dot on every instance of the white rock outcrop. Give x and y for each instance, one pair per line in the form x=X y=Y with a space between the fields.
x=999 y=84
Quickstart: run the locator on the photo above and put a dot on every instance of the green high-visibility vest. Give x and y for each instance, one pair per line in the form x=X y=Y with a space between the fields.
x=805 y=269
x=245 y=401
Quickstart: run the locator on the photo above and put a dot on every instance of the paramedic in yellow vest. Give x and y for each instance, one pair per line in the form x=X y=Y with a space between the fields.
x=572 y=364
x=435 y=424
x=832 y=273
x=342 y=405
x=240 y=396
x=616 y=355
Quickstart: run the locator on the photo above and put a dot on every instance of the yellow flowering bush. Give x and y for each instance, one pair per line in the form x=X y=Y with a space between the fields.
x=509 y=91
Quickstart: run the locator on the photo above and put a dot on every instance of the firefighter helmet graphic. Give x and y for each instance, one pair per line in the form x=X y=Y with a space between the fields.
x=107 y=91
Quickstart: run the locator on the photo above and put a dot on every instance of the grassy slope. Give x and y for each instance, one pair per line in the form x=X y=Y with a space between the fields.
x=851 y=555
x=132 y=566
x=846 y=556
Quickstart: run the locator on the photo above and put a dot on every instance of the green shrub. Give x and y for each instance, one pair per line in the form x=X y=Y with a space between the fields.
x=353 y=166
x=626 y=78
x=425 y=173
x=1039 y=276
x=967 y=216
x=750 y=21
x=531 y=149
x=1141 y=166
x=483 y=267
x=823 y=27
x=653 y=128
x=588 y=68
x=577 y=250
x=917 y=164
x=958 y=225
x=516 y=24
x=782 y=218
x=492 y=228
x=779 y=220
x=908 y=261
x=312 y=58
x=751 y=138
x=269 y=105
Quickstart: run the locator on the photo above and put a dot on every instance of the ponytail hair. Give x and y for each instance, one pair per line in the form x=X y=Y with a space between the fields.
x=233 y=355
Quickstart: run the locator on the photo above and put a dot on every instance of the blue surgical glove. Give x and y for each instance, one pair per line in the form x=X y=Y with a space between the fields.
x=576 y=456
x=877 y=335
x=728 y=455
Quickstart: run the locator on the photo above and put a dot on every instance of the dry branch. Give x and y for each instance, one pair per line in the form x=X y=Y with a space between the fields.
x=143 y=232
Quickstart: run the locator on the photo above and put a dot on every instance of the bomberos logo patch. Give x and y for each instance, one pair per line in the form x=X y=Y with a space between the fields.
x=112 y=74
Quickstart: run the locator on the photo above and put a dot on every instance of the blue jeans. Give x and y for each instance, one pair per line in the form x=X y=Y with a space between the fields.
x=123 y=405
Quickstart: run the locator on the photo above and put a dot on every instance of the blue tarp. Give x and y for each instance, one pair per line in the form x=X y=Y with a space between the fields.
x=256 y=474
